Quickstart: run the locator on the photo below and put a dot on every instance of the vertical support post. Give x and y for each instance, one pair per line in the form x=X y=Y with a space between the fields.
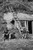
x=26 y=24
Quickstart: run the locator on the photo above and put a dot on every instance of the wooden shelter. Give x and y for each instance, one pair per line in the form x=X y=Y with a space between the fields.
x=24 y=11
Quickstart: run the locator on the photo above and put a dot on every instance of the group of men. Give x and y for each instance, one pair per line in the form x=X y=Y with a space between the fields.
x=12 y=22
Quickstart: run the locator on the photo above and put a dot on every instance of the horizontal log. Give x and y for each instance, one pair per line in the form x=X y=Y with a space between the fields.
x=23 y=16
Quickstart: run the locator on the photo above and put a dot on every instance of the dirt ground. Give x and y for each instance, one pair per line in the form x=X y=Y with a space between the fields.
x=19 y=44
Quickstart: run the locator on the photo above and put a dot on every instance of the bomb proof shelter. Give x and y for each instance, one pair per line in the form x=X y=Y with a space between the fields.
x=28 y=19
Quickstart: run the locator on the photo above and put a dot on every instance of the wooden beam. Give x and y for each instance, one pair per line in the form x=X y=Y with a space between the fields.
x=23 y=16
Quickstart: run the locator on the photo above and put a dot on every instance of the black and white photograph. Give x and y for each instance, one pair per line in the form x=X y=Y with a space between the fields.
x=16 y=24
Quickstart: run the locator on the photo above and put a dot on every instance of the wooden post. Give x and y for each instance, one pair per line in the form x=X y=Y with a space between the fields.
x=27 y=25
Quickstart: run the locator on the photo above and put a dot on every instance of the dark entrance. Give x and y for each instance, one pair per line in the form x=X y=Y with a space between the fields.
x=30 y=0
x=30 y=27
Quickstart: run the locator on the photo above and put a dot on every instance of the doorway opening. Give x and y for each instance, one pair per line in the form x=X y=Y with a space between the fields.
x=30 y=0
x=30 y=27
